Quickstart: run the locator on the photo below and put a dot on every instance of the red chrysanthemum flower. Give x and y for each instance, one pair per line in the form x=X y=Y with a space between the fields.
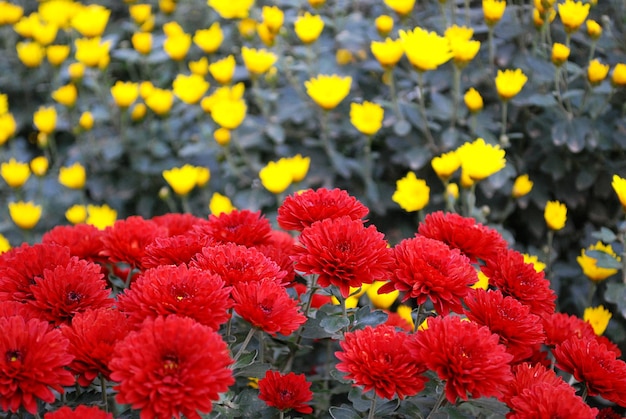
x=266 y=305
x=178 y=224
x=235 y=263
x=241 y=227
x=610 y=345
x=378 y=358
x=280 y=249
x=397 y=321
x=594 y=365
x=174 y=250
x=69 y=289
x=519 y=330
x=21 y=265
x=93 y=335
x=81 y=412
x=170 y=367
x=561 y=326
x=608 y=413
x=476 y=241
x=83 y=240
x=518 y=279
x=429 y=269
x=170 y=289
x=527 y=375
x=285 y=392
x=126 y=240
x=467 y=356
x=13 y=308
x=302 y=209
x=344 y=253
x=33 y=358
x=545 y=401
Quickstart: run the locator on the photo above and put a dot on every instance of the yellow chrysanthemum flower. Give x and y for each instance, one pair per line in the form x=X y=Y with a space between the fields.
x=589 y=265
x=412 y=194
x=381 y=301
x=160 y=101
x=229 y=113
x=177 y=46
x=299 y=167
x=597 y=72
x=25 y=215
x=101 y=216
x=142 y=42
x=222 y=136
x=232 y=9
x=45 y=119
x=73 y=176
x=4 y=242
x=258 y=61
x=555 y=215
x=401 y=7
x=598 y=318
x=510 y=82
x=560 y=53
x=446 y=164
x=8 y=126
x=209 y=40
x=31 y=54
x=573 y=14
x=76 y=214
x=223 y=70
x=140 y=13
x=522 y=186
x=328 y=91
x=480 y=160
x=86 y=120
x=199 y=67
x=308 y=27
x=91 y=20
x=181 y=179
x=10 y=13
x=425 y=50
x=92 y=52
x=190 y=89
x=273 y=18
x=594 y=30
x=384 y=25
x=534 y=260
x=367 y=117
x=15 y=173
x=66 y=95
x=388 y=52
x=473 y=100
x=124 y=93
x=618 y=78
x=619 y=186
x=276 y=176
x=220 y=204
x=39 y=165
x=493 y=11
x=57 y=54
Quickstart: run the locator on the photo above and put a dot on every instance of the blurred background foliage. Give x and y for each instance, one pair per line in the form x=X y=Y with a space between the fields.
x=570 y=141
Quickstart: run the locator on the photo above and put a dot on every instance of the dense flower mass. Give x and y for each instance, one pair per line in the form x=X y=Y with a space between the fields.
x=242 y=227
x=80 y=412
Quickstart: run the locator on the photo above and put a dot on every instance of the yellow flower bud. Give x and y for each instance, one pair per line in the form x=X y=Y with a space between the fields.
x=73 y=176
x=39 y=166
x=76 y=214
x=25 y=215
x=473 y=100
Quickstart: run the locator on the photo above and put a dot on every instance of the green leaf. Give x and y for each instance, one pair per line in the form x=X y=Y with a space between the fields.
x=343 y=412
x=603 y=259
x=358 y=399
x=276 y=133
x=365 y=317
x=616 y=293
x=245 y=360
x=333 y=324
x=605 y=235
x=401 y=128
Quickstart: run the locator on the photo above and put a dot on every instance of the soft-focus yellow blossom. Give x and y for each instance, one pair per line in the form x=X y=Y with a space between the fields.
x=276 y=176
x=138 y=112
x=328 y=91
x=203 y=175
x=86 y=120
x=76 y=71
x=124 y=93
x=522 y=186
x=15 y=173
x=464 y=49
x=367 y=117
x=177 y=46
x=573 y=14
x=425 y=50
x=39 y=165
x=464 y=33
x=142 y=42
x=181 y=179
x=220 y=204
x=66 y=95
x=555 y=215
x=388 y=53
x=229 y=113
x=473 y=100
x=316 y=4
x=92 y=52
x=589 y=264
x=412 y=194
x=91 y=20
x=173 y=28
x=560 y=53
x=594 y=30
x=145 y=89
x=544 y=6
x=76 y=214
x=401 y=7
x=4 y=104
x=45 y=33
x=232 y=9
x=247 y=28
x=222 y=136
x=258 y=61
x=267 y=36
x=31 y=54
x=598 y=318
x=45 y=119
x=405 y=312
x=8 y=126
x=510 y=82
x=190 y=89
x=381 y=301
x=223 y=70
x=384 y=25
x=56 y=54
x=59 y=12
x=199 y=67
x=160 y=101
x=480 y=160
x=343 y=56
x=209 y=40
x=308 y=27
x=493 y=11
x=619 y=186
x=101 y=216
x=10 y=13
x=446 y=164
x=452 y=191
x=167 y=6
x=299 y=167
x=4 y=242
x=25 y=215
x=597 y=72
x=73 y=176
x=222 y=93
x=618 y=78
x=140 y=12
x=482 y=283
x=350 y=302
x=273 y=18
x=538 y=17
x=534 y=260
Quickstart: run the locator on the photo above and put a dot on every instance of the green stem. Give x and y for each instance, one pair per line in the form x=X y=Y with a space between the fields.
x=467 y=11
x=367 y=156
x=438 y=403
x=244 y=344
x=442 y=7
x=504 y=141
x=261 y=346
x=307 y=309
x=592 y=50
x=456 y=92
x=418 y=313
x=185 y=203
x=422 y=107
x=585 y=393
x=372 y=411
x=492 y=52
x=549 y=253
x=394 y=94
x=103 y=388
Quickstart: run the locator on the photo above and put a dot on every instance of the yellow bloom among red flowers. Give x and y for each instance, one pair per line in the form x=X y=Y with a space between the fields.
x=25 y=215
x=555 y=215
x=480 y=160
x=589 y=264
x=412 y=194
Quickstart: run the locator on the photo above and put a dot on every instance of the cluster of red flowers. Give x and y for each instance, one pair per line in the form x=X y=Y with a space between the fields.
x=145 y=304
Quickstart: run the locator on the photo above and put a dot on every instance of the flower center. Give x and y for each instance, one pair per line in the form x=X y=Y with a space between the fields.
x=170 y=362
x=74 y=296
x=13 y=355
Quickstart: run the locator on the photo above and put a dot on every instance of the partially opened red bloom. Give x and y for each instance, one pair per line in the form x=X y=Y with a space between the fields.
x=344 y=253
x=429 y=269
x=235 y=263
x=177 y=223
x=126 y=240
x=83 y=240
x=527 y=375
x=93 y=335
x=561 y=326
x=174 y=250
x=33 y=358
x=280 y=248
x=519 y=330
x=66 y=290
x=378 y=358
x=267 y=306
x=81 y=412
x=594 y=365
x=302 y=209
x=172 y=366
x=545 y=401
x=465 y=355
x=170 y=289
x=241 y=227
x=518 y=279
x=21 y=265
x=476 y=241
x=285 y=392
